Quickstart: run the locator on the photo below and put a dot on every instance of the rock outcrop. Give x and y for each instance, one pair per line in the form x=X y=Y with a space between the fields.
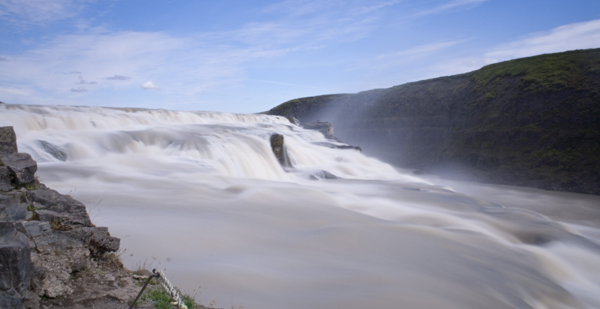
x=278 y=147
x=51 y=255
x=529 y=122
x=325 y=128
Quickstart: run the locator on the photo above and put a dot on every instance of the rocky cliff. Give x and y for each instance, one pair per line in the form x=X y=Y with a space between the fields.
x=530 y=122
x=51 y=255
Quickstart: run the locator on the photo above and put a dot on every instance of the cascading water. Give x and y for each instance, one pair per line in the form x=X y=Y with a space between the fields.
x=201 y=195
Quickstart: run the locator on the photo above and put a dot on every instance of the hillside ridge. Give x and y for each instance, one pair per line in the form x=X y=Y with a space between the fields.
x=531 y=121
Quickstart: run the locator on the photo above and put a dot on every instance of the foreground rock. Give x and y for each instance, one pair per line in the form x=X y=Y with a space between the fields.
x=51 y=255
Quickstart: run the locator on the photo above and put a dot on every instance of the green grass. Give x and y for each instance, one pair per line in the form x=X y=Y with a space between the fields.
x=163 y=301
x=544 y=72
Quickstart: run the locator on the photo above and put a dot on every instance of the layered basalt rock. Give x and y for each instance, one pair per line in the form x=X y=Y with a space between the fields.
x=50 y=252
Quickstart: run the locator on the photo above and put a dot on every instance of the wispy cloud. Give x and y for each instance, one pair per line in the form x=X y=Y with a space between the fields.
x=96 y=56
x=281 y=83
x=78 y=89
x=118 y=77
x=316 y=21
x=421 y=50
x=448 y=6
x=183 y=65
x=38 y=12
x=301 y=7
x=85 y=82
x=392 y=60
x=568 y=37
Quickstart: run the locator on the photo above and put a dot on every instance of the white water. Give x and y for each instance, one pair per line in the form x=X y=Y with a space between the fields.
x=202 y=196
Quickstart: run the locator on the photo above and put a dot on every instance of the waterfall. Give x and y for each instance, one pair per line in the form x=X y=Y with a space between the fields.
x=202 y=195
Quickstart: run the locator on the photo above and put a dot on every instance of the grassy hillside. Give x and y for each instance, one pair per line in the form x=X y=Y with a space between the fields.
x=533 y=121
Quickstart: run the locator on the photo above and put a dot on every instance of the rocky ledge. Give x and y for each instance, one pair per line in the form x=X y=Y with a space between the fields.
x=51 y=255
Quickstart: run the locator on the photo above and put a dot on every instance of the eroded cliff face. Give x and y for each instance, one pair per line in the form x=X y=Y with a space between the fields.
x=530 y=122
x=51 y=255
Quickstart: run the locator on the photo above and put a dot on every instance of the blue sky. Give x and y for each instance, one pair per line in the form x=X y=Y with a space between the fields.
x=249 y=56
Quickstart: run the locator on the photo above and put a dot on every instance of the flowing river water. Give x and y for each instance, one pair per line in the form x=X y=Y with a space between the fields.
x=201 y=195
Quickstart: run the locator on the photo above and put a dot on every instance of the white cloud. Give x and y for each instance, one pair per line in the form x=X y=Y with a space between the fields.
x=39 y=11
x=568 y=37
x=149 y=85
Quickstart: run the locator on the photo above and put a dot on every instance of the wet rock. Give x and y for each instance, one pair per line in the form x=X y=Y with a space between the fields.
x=49 y=243
x=21 y=167
x=52 y=206
x=54 y=150
x=336 y=146
x=57 y=258
x=5 y=179
x=325 y=128
x=278 y=147
x=98 y=238
x=16 y=267
x=8 y=141
x=11 y=208
x=36 y=228
x=322 y=175
x=293 y=120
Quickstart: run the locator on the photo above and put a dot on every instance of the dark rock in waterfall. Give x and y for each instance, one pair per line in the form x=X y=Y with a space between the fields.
x=54 y=150
x=336 y=146
x=325 y=128
x=528 y=122
x=8 y=141
x=16 y=270
x=21 y=167
x=293 y=120
x=278 y=146
x=322 y=175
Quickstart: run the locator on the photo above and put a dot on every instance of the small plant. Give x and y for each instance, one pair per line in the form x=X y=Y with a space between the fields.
x=161 y=299
x=58 y=225
x=34 y=216
x=32 y=186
